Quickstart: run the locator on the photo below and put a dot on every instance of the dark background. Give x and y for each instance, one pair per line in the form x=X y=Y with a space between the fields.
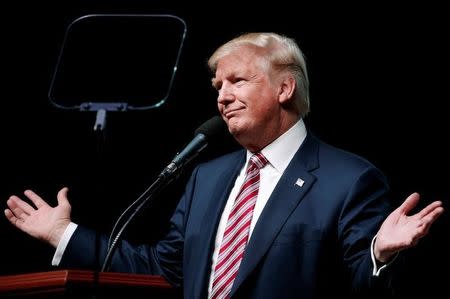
x=379 y=78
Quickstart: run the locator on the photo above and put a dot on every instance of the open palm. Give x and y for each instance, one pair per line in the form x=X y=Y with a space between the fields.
x=400 y=231
x=41 y=221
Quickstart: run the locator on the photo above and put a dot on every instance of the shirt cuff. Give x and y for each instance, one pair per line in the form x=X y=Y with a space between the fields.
x=376 y=271
x=70 y=229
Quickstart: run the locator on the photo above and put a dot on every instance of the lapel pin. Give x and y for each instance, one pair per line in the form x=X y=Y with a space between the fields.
x=300 y=182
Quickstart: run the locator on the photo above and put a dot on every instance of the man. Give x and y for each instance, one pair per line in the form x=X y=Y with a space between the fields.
x=287 y=217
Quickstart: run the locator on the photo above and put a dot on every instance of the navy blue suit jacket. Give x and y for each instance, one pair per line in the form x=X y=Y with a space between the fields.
x=309 y=241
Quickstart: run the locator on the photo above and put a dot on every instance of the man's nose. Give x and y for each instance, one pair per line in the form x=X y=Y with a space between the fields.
x=226 y=95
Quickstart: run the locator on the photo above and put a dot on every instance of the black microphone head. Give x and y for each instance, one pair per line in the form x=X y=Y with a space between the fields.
x=212 y=128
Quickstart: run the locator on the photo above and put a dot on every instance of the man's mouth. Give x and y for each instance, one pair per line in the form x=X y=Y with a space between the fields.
x=231 y=112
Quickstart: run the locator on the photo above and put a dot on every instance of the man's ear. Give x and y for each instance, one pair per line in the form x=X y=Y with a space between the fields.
x=286 y=91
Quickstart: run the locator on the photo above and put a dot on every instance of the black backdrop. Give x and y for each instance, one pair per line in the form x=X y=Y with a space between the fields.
x=378 y=77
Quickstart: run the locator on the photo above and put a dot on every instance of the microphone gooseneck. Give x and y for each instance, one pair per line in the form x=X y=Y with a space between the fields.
x=207 y=132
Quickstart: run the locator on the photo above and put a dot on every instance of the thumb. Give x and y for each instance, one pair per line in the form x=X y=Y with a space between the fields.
x=409 y=203
x=62 y=196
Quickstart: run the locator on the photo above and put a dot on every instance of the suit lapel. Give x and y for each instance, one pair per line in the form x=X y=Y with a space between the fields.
x=228 y=172
x=284 y=199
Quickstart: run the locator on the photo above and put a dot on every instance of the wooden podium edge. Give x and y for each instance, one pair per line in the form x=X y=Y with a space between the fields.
x=61 y=279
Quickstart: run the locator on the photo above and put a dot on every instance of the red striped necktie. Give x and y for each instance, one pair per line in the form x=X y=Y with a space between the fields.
x=236 y=233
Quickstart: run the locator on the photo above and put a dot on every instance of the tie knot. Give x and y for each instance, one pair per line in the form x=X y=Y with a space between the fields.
x=257 y=160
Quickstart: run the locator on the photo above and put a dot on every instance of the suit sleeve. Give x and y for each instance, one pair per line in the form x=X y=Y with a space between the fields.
x=87 y=249
x=365 y=208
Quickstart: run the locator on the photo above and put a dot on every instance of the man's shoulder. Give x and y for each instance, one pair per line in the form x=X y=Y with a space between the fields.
x=336 y=156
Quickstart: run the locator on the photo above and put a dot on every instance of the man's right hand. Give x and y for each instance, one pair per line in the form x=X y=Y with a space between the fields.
x=42 y=221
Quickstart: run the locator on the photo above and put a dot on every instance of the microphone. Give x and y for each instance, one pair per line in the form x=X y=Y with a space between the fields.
x=208 y=131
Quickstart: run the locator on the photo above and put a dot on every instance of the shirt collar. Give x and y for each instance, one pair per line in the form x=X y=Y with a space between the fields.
x=281 y=151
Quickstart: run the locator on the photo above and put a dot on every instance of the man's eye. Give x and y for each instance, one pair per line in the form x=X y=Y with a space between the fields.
x=239 y=80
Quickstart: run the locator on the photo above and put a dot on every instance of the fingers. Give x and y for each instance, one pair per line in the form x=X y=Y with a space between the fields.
x=36 y=199
x=429 y=218
x=430 y=208
x=409 y=203
x=16 y=213
x=13 y=219
x=16 y=203
x=9 y=215
x=62 y=196
x=15 y=208
x=433 y=215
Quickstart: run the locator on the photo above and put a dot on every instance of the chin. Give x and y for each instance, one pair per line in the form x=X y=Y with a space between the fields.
x=234 y=126
x=233 y=131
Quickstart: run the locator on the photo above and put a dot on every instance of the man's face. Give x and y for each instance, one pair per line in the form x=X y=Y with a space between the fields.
x=247 y=98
